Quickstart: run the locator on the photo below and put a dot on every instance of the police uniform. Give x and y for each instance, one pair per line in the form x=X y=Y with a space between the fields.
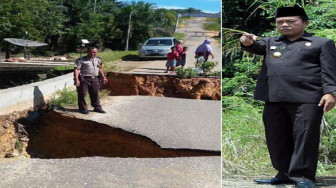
x=89 y=82
x=293 y=78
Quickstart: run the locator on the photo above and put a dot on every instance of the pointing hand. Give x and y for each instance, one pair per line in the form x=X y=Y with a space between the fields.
x=247 y=39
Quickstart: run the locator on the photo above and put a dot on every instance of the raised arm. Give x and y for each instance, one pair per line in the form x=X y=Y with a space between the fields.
x=250 y=44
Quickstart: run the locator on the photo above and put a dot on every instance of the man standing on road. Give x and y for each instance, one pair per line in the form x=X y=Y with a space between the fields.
x=297 y=82
x=87 y=71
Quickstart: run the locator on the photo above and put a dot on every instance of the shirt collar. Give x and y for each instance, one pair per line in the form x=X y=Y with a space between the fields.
x=88 y=58
x=305 y=36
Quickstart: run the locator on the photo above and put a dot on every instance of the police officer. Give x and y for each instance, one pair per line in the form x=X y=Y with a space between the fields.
x=86 y=72
x=297 y=82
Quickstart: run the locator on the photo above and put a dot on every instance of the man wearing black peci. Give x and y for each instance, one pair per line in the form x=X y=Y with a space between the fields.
x=297 y=82
x=87 y=71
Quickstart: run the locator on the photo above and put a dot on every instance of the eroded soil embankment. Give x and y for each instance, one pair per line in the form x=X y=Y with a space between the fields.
x=13 y=138
x=164 y=86
x=61 y=136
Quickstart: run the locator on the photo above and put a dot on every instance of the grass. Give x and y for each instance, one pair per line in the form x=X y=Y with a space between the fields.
x=63 y=68
x=182 y=21
x=179 y=36
x=244 y=150
x=68 y=98
x=212 y=24
x=111 y=57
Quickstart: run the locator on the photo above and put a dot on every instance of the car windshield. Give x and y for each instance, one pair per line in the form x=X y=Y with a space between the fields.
x=159 y=42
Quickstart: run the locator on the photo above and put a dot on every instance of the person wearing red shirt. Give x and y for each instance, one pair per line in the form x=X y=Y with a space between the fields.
x=171 y=59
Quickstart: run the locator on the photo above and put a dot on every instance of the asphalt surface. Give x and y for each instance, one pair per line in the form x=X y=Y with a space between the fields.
x=202 y=172
x=170 y=122
x=192 y=40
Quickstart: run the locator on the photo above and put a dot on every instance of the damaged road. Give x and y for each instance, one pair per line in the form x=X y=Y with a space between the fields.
x=150 y=142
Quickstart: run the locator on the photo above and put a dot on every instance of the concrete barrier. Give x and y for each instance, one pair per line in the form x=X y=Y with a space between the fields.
x=32 y=95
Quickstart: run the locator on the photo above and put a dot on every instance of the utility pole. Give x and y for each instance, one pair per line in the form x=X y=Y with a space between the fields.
x=25 y=45
x=177 y=20
x=129 y=30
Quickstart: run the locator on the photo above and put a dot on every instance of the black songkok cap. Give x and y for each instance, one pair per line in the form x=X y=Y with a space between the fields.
x=290 y=11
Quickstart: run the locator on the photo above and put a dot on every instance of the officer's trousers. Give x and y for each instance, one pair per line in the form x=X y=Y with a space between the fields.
x=293 y=136
x=90 y=84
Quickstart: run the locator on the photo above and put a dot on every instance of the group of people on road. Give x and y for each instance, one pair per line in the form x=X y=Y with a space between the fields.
x=88 y=72
x=177 y=56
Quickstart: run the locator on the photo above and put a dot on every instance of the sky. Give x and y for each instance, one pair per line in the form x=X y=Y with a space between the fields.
x=209 y=6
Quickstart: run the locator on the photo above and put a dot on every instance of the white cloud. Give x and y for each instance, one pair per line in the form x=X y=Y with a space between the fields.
x=210 y=11
x=177 y=7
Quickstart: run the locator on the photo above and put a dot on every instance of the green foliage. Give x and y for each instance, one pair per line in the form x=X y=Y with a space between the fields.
x=68 y=97
x=215 y=74
x=239 y=78
x=244 y=147
x=185 y=72
x=64 y=68
x=110 y=56
x=62 y=24
x=239 y=85
x=328 y=142
x=244 y=150
x=206 y=67
x=212 y=24
x=19 y=145
x=179 y=36
x=65 y=97
x=183 y=21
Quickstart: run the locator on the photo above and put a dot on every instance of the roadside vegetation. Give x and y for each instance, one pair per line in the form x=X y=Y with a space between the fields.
x=203 y=69
x=62 y=24
x=67 y=97
x=110 y=58
x=244 y=145
x=179 y=36
x=212 y=24
x=183 y=21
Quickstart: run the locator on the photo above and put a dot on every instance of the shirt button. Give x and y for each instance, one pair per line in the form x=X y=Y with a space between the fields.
x=285 y=59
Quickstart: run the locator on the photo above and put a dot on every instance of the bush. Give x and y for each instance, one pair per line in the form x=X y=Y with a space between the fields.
x=206 y=67
x=185 y=72
x=65 y=97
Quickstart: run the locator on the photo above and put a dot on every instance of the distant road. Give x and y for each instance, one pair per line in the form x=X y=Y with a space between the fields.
x=191 y=40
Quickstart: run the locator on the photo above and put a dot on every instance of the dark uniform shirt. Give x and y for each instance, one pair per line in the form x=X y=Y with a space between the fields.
x=88 y=66
x=299 y=71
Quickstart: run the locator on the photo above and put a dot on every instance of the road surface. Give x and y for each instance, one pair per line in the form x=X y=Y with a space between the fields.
x=191 y=40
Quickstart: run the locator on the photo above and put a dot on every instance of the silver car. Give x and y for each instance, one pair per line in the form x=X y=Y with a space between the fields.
x=156 y=47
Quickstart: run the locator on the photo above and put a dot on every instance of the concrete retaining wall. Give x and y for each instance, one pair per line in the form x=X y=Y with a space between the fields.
x=32 y=95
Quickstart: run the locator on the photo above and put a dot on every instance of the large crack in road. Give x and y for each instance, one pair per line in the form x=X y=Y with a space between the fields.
x=59 y=136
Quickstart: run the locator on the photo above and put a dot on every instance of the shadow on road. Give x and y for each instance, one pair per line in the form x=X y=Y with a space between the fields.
x=130 y=58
